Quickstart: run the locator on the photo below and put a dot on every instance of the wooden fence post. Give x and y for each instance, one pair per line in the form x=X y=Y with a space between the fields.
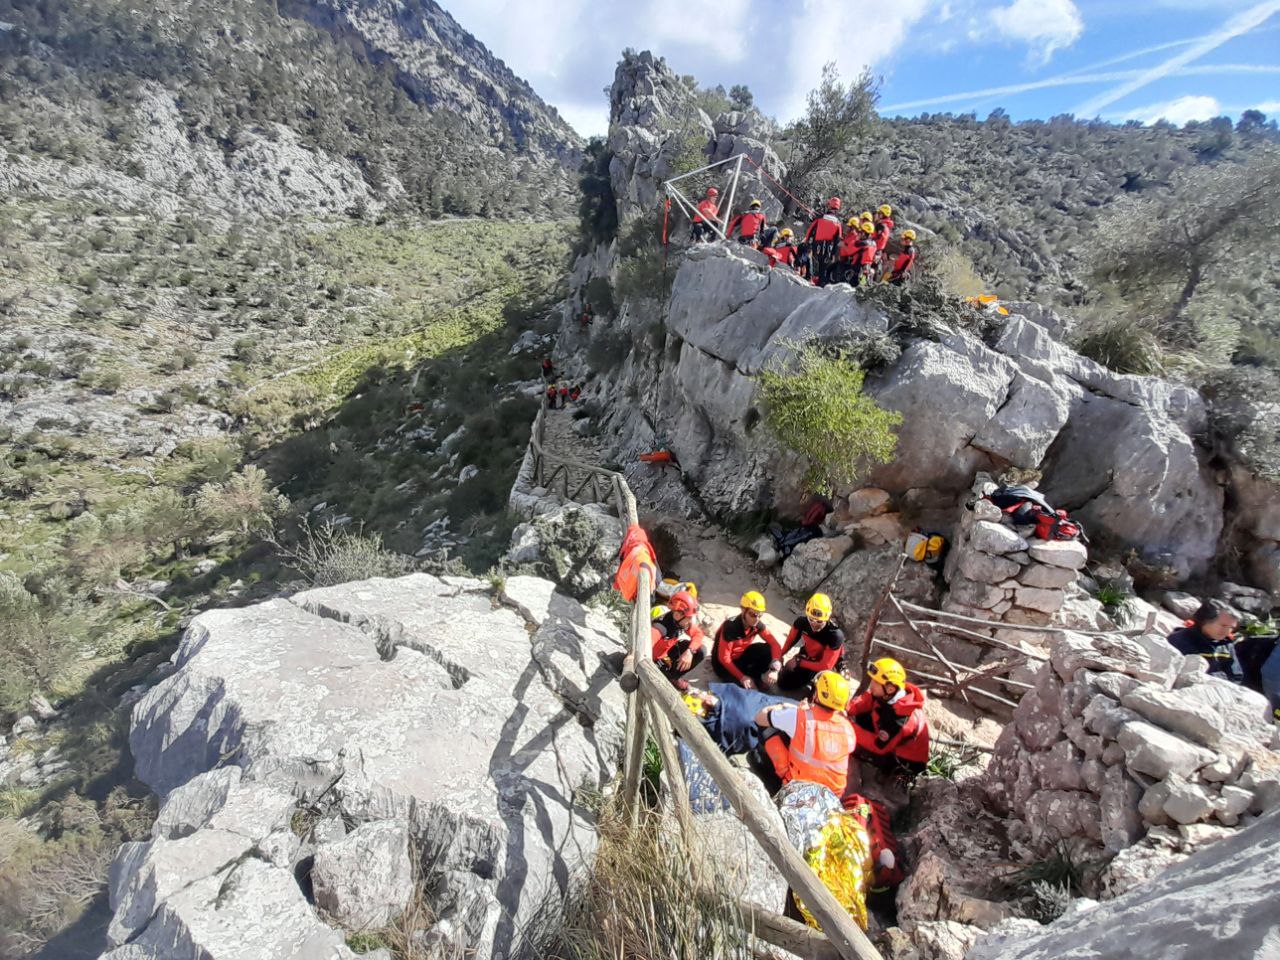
x=845 y=935
x=874 y=620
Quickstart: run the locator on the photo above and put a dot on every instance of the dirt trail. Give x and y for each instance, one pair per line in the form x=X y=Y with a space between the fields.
x=723 y=572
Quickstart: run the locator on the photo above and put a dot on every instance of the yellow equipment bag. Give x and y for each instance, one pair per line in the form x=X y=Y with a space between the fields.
x=842 y=861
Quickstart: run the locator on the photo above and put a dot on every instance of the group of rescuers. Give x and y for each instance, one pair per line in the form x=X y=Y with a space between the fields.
x=813 y=741
x=854 y=251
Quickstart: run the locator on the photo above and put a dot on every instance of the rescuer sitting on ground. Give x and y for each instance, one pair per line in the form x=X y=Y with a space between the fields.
x=889 y=721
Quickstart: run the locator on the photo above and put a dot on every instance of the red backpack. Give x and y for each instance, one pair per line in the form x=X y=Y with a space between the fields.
x=887 y=867
x=1058 y=526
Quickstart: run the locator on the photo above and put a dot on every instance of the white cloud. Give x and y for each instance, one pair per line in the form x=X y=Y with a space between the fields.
x=1270 y=107
x=1238 y=25
x=1179 y=110
x=1044 y=25
x=534 y=38
x=716 y=28
x=838 y=20
x=589 y=119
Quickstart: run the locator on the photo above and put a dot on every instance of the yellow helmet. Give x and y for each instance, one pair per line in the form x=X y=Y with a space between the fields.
x=658 y=612
x=818 y=607
x=755 y=203
x=786 y=232
x=851 y=222
x=865 y=215
x=885 y=210
x=868 y=227
x=753 y=600
x=908 y=234
x=693 y=700
x=831 y=690
x=887 y=670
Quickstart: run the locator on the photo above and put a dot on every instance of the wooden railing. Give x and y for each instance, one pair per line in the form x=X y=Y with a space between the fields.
x=654 y=706
x=959 y=680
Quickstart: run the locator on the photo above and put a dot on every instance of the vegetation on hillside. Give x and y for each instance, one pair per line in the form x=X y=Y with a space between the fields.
x=300 y=379
x=75 y=76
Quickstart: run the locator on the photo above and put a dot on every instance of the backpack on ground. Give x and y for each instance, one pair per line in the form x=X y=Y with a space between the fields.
x=926 y=546
x=1026 y=507
x=1059 y=526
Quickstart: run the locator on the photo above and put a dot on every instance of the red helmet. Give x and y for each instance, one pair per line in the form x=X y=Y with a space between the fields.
x=833 y=203
x=712 y=192
x=683 y=603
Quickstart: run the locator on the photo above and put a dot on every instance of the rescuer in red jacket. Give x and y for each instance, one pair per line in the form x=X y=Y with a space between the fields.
x=749 y=226
x=708 y=213
x=905 y=260
x=745 y=651
x=678 y=641
x=865 y=261
x=823 y=240
x=845 y=271
x=884 y=230
x=889 y=721
x=820 y=642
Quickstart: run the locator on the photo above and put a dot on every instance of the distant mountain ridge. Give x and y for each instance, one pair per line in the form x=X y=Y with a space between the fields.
x=381 y=103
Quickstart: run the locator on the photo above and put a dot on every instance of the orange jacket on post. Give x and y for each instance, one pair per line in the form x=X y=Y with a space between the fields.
x=635 y=554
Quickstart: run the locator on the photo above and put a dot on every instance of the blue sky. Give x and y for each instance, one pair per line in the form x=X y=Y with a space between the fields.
x=1117 y=59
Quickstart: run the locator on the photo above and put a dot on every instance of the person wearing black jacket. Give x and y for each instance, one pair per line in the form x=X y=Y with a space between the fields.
x=1259 y=658
x=1209 y=636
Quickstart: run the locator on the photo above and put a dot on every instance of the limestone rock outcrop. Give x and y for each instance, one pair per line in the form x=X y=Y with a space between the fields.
x=1219 y=902
x=419 y=708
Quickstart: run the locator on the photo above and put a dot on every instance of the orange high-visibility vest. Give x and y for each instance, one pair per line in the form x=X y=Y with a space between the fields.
x=821 y=747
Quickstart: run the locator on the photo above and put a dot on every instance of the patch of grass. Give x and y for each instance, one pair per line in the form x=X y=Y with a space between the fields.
x=1124 y=345
x=1112 y=596
x=946 y=763
x=646 y=898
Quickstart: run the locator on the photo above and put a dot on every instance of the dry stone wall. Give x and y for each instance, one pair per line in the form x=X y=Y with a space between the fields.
x=1127 y=748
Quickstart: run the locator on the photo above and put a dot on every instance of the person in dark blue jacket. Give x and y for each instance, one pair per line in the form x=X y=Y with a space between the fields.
x=1209 y=635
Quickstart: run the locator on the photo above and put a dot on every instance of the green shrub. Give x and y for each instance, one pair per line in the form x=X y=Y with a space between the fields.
x=38 y=641
x=818 y=410
x=327 y=555
x=1124 y=345
x=599 y=294
x=644 y=276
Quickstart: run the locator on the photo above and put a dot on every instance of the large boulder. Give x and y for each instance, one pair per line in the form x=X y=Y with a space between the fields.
x=365 y=879
x=415 y=700
x=1218 y=902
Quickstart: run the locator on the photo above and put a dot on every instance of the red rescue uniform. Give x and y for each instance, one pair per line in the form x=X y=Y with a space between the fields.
x=903 y=262
x=734 y=638
x=747 y=225
x=884 y=230
x=825 y=229
x=902 y=719
x=820 y=650
x=707 y=209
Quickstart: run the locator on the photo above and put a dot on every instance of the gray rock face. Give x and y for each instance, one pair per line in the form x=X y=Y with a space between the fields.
x=1219 y=902
x=413 y=700
x=1158 y=753
x=365 y=879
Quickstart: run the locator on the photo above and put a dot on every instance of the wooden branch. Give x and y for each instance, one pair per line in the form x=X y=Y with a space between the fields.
x=1026 y=628
x=847 y=938
x=925 y=656
x=874 y=620
x=794 y=937
x=951 y=668
x=641 y=653
x=970 y=635
x=675 y=777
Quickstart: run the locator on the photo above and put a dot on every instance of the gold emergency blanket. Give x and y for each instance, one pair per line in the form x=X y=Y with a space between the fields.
x=841 y=858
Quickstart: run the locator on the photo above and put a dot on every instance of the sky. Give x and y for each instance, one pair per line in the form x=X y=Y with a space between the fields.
x=1119 y=60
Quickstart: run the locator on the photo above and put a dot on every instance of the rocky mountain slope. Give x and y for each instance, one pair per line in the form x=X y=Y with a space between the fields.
x=1015 y=397
x=248 y=107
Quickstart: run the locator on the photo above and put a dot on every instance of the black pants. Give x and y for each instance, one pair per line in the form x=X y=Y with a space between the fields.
x=700 y=231
x=668 y=664
x=753 y=661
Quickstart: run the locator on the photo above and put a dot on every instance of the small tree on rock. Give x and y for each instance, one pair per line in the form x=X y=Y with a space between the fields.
x=838 y=116
x=817 y=408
